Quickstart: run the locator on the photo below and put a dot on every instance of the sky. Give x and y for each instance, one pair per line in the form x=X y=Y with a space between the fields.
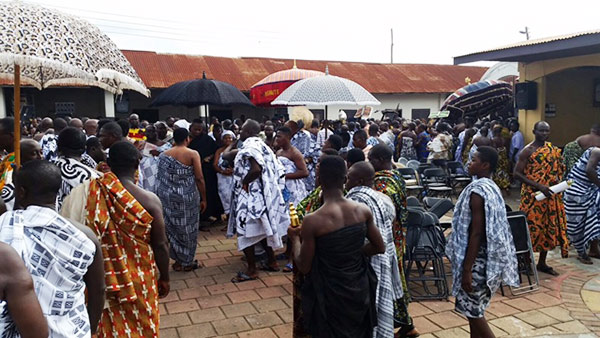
x=425 y=31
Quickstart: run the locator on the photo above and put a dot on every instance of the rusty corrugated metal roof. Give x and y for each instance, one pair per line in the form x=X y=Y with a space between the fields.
x=159 y=70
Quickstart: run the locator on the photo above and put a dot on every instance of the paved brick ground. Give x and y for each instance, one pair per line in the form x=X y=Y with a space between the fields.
x=204 y=303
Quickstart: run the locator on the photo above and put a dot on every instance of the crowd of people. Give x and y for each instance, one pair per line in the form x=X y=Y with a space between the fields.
x=98 y=207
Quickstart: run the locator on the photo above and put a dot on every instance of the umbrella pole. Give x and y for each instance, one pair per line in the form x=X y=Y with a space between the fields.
x=17 y=115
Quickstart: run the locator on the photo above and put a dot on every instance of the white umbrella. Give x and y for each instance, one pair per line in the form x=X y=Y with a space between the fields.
x=44 y=47
x=325 y=90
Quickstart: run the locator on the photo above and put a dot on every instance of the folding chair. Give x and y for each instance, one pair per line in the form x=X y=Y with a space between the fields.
x=524 y=251
x=409 y=175
x=439 y=207
x=425 y=247
x=435 y=181
x=458 y=175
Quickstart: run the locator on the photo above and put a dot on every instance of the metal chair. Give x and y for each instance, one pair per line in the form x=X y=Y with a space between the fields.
x=439 y=207
x=435 y=181
x=413 y=189
x=425 y=249
x=458 y=175
x=525 y=258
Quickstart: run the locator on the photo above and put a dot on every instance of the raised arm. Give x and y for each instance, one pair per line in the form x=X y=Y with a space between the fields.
x=476 y=236
x=375 y=245
x=20 y=297
x=197 y=163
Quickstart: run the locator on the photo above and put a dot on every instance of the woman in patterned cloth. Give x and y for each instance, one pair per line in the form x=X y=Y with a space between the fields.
x=480 y=246
x=501 y=176
x=179 y=180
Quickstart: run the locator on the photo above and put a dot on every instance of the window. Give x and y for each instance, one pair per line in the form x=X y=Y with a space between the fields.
x=420 y=114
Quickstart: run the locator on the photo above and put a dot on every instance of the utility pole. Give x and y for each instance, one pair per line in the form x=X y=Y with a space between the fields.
x=392 y=47
x=526 y=32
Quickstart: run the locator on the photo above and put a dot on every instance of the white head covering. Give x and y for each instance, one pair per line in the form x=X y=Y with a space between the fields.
x=182 y=124
x=227 y=132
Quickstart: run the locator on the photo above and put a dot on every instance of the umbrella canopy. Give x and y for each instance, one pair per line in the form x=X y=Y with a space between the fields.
x=479 y=98
x=194 y=93
x=266 y=90
x=325 y=90
x=54 y=48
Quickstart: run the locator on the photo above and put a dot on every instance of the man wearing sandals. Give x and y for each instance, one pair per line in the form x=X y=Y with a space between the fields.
x=258 y=212
x=539 y=166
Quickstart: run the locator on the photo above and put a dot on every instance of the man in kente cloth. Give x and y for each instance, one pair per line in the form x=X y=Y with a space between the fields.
x=582 y=205
x=7 y=145
x=539 y=166
x=206 y=147
x=258 y=212
x=63 y=258
x=128 y=221
x=389 y=286
x=30 y=150
x=338 y=298
x=390 y=182
x=480 y=247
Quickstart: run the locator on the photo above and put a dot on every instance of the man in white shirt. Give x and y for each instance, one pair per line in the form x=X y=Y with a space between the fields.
x=517 y=142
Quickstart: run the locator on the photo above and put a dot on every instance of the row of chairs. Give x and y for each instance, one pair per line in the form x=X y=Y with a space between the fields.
x=434 y=181
x=425 y=250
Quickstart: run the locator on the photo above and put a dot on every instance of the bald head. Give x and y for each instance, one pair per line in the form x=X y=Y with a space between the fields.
x=90 y=127
x=30 y=150
x=360 y=174
x=249 y=129
x=59 y=124
x=45 y=124
x=76 y=123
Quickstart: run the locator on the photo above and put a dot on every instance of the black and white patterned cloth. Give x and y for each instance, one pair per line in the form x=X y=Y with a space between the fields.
x=49 y=145
x=57 y=255
x=53 y=48
x=73 y=174
x=473 y=304
x=260 y=212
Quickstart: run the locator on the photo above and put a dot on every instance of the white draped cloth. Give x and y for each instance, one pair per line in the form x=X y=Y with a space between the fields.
x=260 y=212
x=57 y=255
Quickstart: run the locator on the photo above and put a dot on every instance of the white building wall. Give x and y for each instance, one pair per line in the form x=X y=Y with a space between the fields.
x=406 y=102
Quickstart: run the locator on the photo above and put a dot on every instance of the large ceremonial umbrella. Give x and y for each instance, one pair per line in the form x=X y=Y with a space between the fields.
x=194 y=93
x=42 y=47
x=479 y=99
x=325 y=90
x=266 y=90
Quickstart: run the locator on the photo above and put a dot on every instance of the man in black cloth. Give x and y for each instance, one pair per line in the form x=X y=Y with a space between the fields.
x=338 y=297
x=206 y=147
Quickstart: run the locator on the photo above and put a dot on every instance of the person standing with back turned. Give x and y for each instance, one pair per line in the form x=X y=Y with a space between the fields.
x=338 y=298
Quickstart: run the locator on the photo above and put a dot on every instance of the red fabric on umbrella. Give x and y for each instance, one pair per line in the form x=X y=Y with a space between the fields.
x=266 y=90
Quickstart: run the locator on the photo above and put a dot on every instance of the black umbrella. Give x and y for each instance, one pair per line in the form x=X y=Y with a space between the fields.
x=194 y=93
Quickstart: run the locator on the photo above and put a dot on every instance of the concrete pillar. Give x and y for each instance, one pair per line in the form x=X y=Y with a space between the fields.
x=527 y=118
x=109 y=104
x=2 y=103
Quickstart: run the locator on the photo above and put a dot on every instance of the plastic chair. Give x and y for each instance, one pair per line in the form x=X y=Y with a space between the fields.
x=435 y=181
x=525 y=258
x=425 y=246
x=413 y=164
x=403 y=161
x=439 y=207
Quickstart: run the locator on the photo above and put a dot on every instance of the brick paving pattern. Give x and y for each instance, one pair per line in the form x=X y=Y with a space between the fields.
x=205 y=303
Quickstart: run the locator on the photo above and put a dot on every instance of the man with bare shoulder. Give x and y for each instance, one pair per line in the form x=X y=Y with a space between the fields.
x=539 y=166
x=128 y=220
x=338 y=297
x=20 y=312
